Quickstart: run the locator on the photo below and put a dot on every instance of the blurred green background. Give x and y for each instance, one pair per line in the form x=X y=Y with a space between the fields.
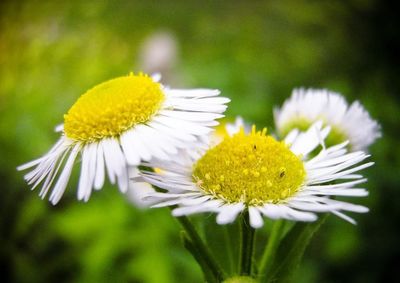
x=256 y=53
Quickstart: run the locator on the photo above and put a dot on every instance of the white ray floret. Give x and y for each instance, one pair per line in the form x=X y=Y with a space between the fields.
x=329 y=173
x=348 y=122
x=119 y=124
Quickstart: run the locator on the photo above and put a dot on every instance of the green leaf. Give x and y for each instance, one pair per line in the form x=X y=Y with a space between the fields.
x=271 y=248
x=241 y=279
x=200 y=248
x=188 y=244
x=224 y=241
x=291 y=250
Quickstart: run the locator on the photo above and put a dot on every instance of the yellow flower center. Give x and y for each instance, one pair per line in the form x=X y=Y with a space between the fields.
x=112 y=107
x=254 y=168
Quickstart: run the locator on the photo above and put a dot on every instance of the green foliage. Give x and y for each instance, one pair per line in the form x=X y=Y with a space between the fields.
x=52 y=51
x=291 y=251
x=240 y=279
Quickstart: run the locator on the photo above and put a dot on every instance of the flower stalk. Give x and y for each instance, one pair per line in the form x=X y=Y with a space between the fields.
x=201 y=249
x=271 y=248
x=247 y=234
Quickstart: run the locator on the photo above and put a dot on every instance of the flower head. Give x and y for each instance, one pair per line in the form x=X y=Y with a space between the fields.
x=267 y=177
x=306 y=106
x=118 y=124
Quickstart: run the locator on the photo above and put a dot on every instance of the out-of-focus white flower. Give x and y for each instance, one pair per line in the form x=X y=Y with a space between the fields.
x=159 y=53
x=306 y=106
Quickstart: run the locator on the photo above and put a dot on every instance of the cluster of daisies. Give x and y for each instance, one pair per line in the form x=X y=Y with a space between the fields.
x=136 y=131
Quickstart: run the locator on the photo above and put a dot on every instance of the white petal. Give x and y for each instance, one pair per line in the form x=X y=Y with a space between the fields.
x=173 y=131
x=211 y=206
x=59 y=128
x=48 y=155
x=84 y=177
x=192 y=92
x=189 y=127
x=92 y=169
x=256 y=220
x=165 y=203
x=296 y=215
x=154 y=141
x=123 y=180
x=156 y=77
x=312 y=206
x=195 y=105
x=164 y=184
x=340 y=185
x=285 y=212
x=345 y=217
x=51 y=175
x=137 y=192
x=126 y=140
x=115 y=160
x=228 y=213
x=191 y=116
x=194 y=201
x=308 y=141
x=108 y=160
x=161 y=196
x=341 y=192
x=61 y=184
x=99 y=178
x=139 y=144
x=271 y=210
x=291 y=137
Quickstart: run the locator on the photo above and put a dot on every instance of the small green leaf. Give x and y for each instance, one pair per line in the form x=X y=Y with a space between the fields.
x=240 y=279
x=223 y=240
x=291 y=250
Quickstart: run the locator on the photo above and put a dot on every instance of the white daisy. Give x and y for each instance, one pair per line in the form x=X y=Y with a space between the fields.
x=118 y=124
x=306 y=106
x=255 y=172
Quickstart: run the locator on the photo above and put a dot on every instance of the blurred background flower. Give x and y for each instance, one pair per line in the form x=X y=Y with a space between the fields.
x=51 y=52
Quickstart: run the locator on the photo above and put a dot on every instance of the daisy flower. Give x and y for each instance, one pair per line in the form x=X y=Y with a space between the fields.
x=118 y=124
x=266 y=177
x=306 y=106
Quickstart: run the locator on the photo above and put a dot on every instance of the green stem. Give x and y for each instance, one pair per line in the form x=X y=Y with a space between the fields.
x=228 y=243
x=188 y=244
x=272 y=246
x=204 y=252
x=247 y=245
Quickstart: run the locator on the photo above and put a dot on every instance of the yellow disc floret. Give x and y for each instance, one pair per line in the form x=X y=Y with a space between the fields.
x=112 y=107
x=253 y=168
